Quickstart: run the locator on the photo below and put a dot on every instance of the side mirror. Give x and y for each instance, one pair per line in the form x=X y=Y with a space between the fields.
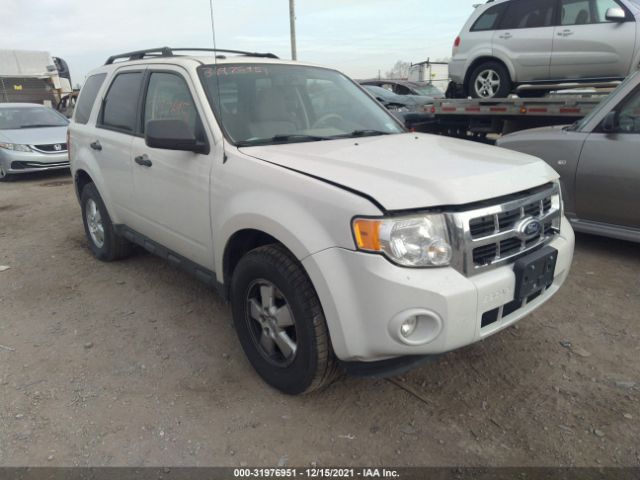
x=610 y=123
x=172 y=135
x=615 y=14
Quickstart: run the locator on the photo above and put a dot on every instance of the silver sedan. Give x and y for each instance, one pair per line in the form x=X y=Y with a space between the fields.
x=32 y=138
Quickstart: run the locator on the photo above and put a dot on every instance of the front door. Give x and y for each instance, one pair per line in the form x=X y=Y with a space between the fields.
x=608 y=175
x=171 y=187
x=525 y=37
x=587 y=45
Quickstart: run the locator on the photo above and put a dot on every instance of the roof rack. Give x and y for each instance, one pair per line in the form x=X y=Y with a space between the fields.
x=169 y=52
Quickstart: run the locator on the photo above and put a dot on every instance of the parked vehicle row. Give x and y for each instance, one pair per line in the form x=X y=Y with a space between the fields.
x=340 y=238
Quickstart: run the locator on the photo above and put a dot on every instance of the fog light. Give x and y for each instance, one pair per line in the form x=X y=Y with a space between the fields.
x=408 y=326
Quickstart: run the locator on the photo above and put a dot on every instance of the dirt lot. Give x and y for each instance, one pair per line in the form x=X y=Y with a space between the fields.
x=136 y=363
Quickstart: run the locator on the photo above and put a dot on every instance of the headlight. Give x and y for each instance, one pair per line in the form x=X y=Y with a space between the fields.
x=15 y=146
x=416 y=241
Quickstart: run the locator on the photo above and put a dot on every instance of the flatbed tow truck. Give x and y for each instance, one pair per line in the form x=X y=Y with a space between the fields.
x=485 y=120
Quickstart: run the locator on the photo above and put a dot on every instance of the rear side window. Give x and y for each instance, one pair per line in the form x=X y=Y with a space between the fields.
x=121 y=103
x=489 y=19
x=528 y=14
x=88 y=96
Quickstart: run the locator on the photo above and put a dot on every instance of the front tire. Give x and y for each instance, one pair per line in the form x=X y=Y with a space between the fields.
x=104 y=242
x=489 y=80
x=280 y=323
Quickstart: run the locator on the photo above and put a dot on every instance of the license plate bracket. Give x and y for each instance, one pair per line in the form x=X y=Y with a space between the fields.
x=534 y=272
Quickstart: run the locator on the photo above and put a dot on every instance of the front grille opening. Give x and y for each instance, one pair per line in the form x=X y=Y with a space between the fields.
x=510 y=246
x=489 y=317
x=484 y=255
x=533 y=209
x=511 y=307
x=482 y=226
x=546 y=204
x=508 y=219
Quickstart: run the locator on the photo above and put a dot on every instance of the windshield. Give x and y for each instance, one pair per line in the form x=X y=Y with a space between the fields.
x=260 y=104
x=30 y=117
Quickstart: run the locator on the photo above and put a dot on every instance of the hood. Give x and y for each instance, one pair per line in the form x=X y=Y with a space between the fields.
x=35 y=136
x=412 y=170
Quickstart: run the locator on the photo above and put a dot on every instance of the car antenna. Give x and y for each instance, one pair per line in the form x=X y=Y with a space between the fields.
x=215 y=63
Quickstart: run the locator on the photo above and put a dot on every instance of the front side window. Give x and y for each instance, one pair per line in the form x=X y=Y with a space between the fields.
x=629 y=114
x=14 y=118
x=88 y=96
x=528 y=14
x=121 y=103
x=575 y=12
x=584 y=12
x=259 y=104
x=489 y=19
x=168 y=98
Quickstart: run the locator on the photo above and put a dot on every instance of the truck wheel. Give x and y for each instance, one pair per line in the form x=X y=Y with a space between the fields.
x=280 y=323
x=104 y=242
x=489 y=80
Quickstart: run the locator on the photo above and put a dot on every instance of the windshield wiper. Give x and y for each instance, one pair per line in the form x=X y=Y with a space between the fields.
x=363 y=133
x=282 y=138
x=43 y=125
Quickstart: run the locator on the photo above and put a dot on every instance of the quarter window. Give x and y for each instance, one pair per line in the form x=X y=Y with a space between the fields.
x=489 y=19
x=88 y=97
x=121 y=102
x=168 y=98
x=528 y=14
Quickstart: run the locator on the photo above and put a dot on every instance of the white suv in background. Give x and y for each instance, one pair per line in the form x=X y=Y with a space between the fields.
x=532 y=46
x=338 y=237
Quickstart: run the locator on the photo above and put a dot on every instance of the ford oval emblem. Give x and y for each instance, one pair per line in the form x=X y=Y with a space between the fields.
x=528 y=228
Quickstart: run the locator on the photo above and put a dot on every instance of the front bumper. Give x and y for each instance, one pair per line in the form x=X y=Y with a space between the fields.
x=23 y=162
x=364 y=295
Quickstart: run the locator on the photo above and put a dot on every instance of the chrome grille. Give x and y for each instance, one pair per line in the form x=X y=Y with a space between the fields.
x=51 y=148
x=488 y=236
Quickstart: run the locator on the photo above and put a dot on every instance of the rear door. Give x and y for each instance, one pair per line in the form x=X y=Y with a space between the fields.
x=111 y=144
x=171 y=188
x=587 y=45
x=608 y=175
x=525 y=38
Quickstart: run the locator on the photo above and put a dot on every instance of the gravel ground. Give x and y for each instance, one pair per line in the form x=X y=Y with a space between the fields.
x=136 y=363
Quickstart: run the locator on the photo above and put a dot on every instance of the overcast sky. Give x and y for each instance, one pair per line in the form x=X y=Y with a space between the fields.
x=358 y=37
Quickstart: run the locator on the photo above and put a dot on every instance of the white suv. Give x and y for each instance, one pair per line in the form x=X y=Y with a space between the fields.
x=532 y=46
x=339 y=238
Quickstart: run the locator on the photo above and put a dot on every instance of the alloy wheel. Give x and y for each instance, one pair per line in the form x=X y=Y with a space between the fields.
x=271 y=323
x=94 y=222
x=487 y=83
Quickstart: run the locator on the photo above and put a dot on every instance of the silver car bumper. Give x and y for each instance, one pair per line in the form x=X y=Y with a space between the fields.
x=12 y=161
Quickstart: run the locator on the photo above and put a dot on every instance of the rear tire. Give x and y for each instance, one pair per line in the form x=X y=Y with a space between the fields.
x=104 y=242
x=280 y=323
x=489 y=80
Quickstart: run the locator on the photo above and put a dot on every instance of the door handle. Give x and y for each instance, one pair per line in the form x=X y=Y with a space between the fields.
x=143 y=160
x=96 y=145
x=506 y=36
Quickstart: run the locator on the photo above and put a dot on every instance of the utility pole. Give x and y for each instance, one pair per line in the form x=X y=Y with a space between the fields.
x=292 y=22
